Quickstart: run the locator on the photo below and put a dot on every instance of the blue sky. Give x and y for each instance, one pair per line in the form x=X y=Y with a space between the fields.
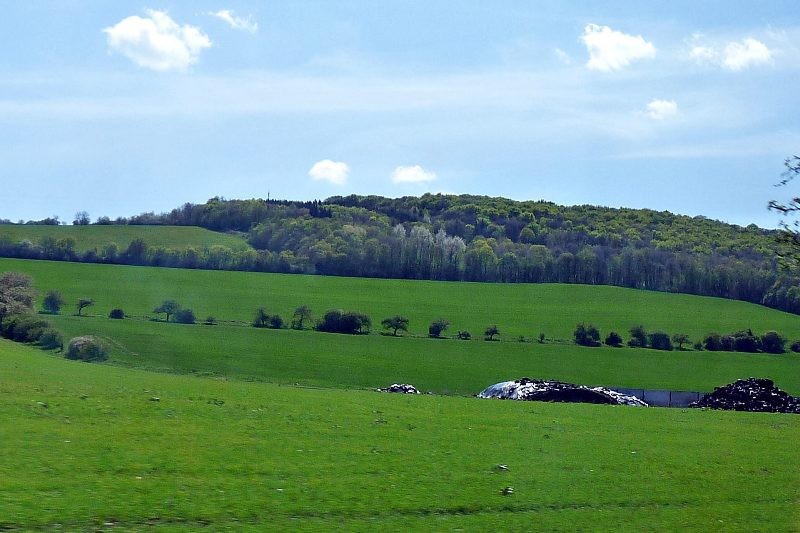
x=122 y=107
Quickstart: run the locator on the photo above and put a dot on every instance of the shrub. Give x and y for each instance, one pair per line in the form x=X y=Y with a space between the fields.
x=727 y=343
x=680 y=339
x=698 y=346
x=614 y=339
x=587 y=335
x=51 y=339
x=438 y=327
x=275 y=322
x=773 y=342
x=86 y=348
x=23 y=327
x=658 y=340
x=638 y=337
x=339 y=321
x=490 y=332
x=185 y=316
x=795 y=347
x=53 y=302
x=117 y=314
x=745 y=341
x=712 y=342
x=541 y=338
x=210 y=321
x=266 y=320
x=464 y=335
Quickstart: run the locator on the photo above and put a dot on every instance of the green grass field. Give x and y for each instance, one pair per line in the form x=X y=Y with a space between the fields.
x=96 y=237
x=85 y=448
x=445 y=366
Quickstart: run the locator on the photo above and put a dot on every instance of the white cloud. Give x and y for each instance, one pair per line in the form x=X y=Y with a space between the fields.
x=335 y=172
x=704 y=54
x=613 y=50
x=157 y=42
x=749 y=52
x=247 y=24
x=735 y=56
x=661 y=109
x=415 y=174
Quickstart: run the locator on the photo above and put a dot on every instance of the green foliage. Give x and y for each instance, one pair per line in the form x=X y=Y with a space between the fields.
x=167 y=308
x=263 y=319
x=395 y=323
x=586 y=335
x=53 y=302
x=339 y=321
x=86 y=348
x=210 y=321
x=658 y=340
x=773 y=342
x=490 y=332
x=437 y=327
x=712 y=342
x=185 y=316
x=22 y=327
x=301 y=316
x=613 y=339
x=638 y=337
x=51 y=339
x=463 y=335
x=795 y=347
x=82 y=304
x=117 y=314
x=680 y=339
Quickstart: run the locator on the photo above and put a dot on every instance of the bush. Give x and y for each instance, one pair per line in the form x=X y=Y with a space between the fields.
x=613 y=339
x=638 y=337
x=86 y=348
x=795 y=347
x=541 y=338
x=658 y=340
x=266 y=320
x=53 y=302
x=698 y=346
x=210 y=321
x=437 y=327
x=117 y=314
x=728 y=343
x=185 y=316
x=713 y=342
x=51 y=339
x=339 y=321
x=773 y=342
x=745 y=341
x=23 y=327
x=490 y=332
x=587 y=335
x=464 y=335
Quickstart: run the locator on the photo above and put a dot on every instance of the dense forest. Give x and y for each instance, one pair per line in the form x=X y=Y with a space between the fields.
x=472 y=238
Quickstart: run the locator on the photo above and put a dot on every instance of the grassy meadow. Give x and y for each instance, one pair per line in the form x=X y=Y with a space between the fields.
x=96 y=237
x=235 y=350
x=90 y=447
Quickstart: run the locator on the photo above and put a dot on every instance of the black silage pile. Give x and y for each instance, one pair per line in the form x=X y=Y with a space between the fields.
x=753 y=394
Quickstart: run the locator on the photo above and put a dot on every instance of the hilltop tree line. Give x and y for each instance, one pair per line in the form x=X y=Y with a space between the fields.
x=473 y=238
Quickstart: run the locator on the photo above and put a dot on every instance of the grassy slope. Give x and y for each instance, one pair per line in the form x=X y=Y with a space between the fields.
x=89 y=446
x=95 y=237
x=518 y=309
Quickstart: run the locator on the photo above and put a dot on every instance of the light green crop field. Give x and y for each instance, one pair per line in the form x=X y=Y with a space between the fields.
x=444 y=366
x=89 y=447
x=96 y=237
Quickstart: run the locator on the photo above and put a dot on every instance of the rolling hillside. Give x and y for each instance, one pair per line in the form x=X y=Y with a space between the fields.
x=96 y=447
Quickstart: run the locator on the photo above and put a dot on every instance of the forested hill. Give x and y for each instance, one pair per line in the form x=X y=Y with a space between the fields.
x=478 y=238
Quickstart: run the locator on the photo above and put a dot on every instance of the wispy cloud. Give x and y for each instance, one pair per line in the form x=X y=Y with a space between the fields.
x=661 y=109
x=335 y=172
x=613 y=50
x=247 y=23
x=156 y=41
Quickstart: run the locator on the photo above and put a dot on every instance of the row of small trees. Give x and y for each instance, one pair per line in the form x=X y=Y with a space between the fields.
x=740 y=341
